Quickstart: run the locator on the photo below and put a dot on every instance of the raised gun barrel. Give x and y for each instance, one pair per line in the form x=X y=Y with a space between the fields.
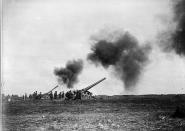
x=50 y=90
x=89 y=87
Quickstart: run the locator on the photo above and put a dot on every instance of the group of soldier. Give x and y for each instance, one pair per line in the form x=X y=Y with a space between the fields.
x=34 y=96
x=78 y=94
x=69 y=95
x=56 y=96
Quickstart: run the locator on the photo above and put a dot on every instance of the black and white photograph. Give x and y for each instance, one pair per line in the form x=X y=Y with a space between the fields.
x=93 y=65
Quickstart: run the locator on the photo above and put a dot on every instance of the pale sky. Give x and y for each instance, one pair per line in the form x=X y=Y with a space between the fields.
x=39 y=35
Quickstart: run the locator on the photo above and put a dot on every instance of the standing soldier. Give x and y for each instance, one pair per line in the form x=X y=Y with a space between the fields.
x=51 y=95
x=55 y=95
x=36 y=96
x=23 y=97
x=40 y=95
x=78 y=95
x=30 y=96
x=33 y=95
x=60 y=95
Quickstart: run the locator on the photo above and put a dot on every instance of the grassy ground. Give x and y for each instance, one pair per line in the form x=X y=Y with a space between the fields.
x=115 y=113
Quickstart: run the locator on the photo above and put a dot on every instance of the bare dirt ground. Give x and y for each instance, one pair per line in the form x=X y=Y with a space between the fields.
x=124 y=113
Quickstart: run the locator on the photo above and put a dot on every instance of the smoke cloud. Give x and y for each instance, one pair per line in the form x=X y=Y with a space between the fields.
x=124 y=54
x=174 y=38
x=178 y=36
x=69 y=74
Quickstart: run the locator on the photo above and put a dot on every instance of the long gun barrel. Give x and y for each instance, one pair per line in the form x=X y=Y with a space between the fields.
x=50 y=90
x=89 y=87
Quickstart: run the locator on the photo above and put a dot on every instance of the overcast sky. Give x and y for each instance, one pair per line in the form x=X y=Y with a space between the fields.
x=39 y=35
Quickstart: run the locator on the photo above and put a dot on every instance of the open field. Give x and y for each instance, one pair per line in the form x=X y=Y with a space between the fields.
x=151 y=112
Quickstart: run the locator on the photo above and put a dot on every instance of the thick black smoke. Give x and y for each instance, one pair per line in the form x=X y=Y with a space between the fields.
x=174 y=39
x=178 y=36
x=125 y=54
x=69 y=74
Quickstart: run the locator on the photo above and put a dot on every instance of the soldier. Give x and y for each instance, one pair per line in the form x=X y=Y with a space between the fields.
x=40 y=95
x=55 y=95
x=30 y=96
x=78 y=95
x=51 y=95
x=33 y=95
x=69 y=95
x=23 y=97
x=60 y=95
x=74 y=94
x=88 y=94
x=36 y=96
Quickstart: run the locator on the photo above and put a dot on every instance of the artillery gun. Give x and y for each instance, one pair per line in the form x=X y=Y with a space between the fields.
x=77 y=94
